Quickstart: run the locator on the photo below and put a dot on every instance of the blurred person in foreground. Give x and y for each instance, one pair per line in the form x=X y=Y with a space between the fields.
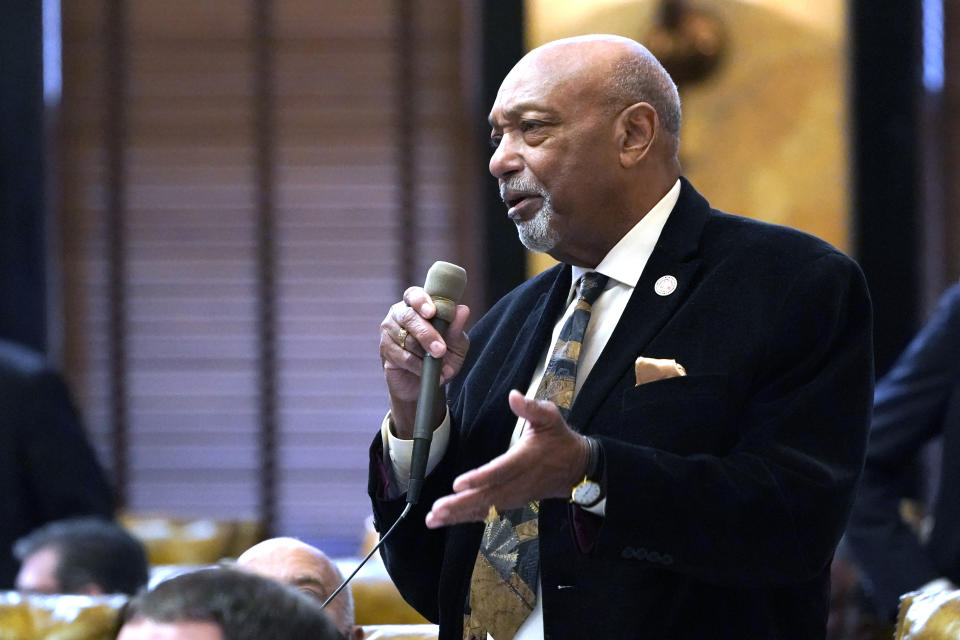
x=682 y=464
x=298 y=564
x=225 y=604
x=48 y=470
x=917 y=401
x=88 y=556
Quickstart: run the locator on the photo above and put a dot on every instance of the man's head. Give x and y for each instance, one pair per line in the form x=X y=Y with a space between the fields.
x=82 y=555
x=586 y=134
x=300 y=565
x=224 y=604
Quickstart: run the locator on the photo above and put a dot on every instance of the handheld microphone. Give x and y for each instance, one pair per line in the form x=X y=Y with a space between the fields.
x=445 y=284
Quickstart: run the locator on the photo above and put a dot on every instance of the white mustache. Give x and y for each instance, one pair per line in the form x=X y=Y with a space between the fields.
x=521 y=184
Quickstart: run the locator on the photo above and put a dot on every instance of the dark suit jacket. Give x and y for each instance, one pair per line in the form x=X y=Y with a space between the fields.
x=917 y=401
x=727 y=489
x=47 y=468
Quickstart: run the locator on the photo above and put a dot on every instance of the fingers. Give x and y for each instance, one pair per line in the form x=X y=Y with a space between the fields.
x=414 y=315
x=536 y=412
x=500 y=471
x=457 y=344
x=421 y=337
x=407 y=335
x=407 y=330
x=510 y=468
x=458 y=324
x=468 y=506
x=398 y=348
x=473 y=505
x=562 y=454
x=546 y=462
x=418 y=299
x=416 y=319
x=500 y=482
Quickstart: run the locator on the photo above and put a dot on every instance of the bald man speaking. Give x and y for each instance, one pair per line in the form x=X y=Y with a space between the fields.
x=658 y=438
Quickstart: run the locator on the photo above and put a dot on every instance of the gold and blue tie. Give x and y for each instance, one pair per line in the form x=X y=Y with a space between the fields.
x=503 y=588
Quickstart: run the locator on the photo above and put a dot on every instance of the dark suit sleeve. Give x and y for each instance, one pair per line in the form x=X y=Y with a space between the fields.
x=771 y=510
x=61 y=474
x=909 y=409
x=412 y=554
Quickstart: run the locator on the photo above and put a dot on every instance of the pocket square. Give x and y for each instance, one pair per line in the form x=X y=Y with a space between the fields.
x=651 y=369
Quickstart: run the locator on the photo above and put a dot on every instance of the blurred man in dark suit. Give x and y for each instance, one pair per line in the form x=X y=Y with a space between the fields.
x=916 y=402
x=48 y=470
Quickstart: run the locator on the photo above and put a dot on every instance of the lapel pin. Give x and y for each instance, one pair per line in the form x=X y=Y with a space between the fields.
x=665 y=285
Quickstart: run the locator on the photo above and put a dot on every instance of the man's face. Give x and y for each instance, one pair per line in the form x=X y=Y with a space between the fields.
x=555 y=153
x=38 y=573
x=142 y=629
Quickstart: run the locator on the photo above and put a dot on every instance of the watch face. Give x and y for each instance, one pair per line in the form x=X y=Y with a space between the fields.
x=586 y=493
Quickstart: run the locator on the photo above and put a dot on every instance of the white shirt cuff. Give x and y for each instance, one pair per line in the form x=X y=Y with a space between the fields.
x=599 y=509
x=399 y=451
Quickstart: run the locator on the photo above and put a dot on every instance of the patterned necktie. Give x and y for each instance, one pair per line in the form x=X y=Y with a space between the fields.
x=503 y=588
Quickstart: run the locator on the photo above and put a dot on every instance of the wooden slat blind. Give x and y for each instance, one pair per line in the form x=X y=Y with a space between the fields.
x=191 y=242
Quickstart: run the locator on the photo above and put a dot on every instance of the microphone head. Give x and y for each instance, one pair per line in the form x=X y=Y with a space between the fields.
x=446 y=280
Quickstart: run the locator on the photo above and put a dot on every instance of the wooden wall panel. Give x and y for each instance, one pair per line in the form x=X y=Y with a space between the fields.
x=189 y=223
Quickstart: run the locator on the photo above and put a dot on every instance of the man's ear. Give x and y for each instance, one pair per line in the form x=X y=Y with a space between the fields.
x=637 y=129
x=90 y=589
x=356 y=633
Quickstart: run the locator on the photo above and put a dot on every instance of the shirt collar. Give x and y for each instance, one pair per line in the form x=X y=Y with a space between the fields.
x=626 y=260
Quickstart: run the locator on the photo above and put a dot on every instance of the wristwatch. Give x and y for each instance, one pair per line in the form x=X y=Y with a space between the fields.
x=590 y=490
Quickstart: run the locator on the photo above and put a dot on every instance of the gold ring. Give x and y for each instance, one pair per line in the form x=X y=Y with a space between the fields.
x=402 y=338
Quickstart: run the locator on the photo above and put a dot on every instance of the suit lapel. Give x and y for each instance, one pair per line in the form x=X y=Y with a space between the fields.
x=647 y=312
x=532 y=335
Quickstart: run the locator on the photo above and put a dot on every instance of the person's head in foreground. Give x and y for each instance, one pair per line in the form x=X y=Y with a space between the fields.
x=224 y=604
x=305 y=567
x=88 y=556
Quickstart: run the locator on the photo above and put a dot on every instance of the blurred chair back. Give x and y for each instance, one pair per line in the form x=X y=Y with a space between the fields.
x=59 y=617
x=401 y=632
x=929 y=616
x=183 y=541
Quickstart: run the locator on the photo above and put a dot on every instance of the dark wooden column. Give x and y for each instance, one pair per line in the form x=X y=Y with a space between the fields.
x=405 y=88
x=885 y=63
x=503 y=46
x=264 y=135
x=951 y=139
x=115 y=137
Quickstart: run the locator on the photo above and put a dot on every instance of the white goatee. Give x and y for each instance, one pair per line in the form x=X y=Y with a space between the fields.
x=537 y=234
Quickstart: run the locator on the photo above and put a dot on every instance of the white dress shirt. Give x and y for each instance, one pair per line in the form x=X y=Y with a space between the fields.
x=623 y=265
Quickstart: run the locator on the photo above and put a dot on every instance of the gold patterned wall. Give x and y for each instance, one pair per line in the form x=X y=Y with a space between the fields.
x=764 y=132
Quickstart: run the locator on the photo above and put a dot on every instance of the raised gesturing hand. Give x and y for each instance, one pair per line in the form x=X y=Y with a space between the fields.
x=547 y=461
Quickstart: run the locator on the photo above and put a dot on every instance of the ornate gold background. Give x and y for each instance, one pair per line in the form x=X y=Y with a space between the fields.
x=766 y=134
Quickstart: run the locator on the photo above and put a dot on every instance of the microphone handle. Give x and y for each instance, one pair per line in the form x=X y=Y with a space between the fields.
x=426 y=419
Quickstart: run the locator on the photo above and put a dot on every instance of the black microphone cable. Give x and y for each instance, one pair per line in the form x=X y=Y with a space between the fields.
x=383 y=539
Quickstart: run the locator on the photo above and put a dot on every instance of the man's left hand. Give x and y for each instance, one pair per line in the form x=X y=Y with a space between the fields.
x=547 y=461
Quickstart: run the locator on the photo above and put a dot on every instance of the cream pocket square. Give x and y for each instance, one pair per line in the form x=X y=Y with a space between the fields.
x=651 y=369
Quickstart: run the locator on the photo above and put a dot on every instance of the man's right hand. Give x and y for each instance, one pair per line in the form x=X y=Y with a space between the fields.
x=406 y=335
